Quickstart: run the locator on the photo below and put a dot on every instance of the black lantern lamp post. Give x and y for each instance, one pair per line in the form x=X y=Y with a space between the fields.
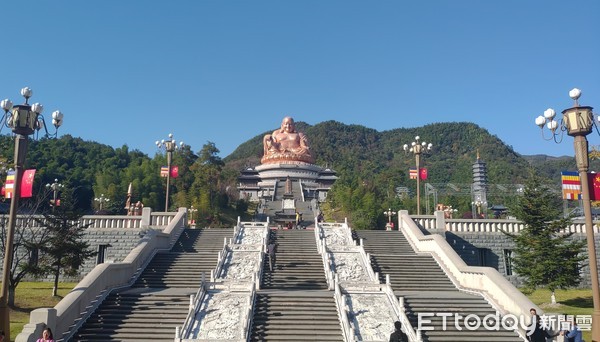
x=23 y=120
x=578 y=122
x=418 y=148
x=169 y=146
x=55 y=187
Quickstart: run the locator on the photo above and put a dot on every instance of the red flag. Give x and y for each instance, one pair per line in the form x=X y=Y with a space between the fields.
x=423 y=173
x=27 y=183
x=174 y=171
x=594 y=186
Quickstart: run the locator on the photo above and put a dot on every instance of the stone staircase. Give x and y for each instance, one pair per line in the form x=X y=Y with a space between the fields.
x=279 y=216
x=427 y=289
x=294 y=303
x=159 y=299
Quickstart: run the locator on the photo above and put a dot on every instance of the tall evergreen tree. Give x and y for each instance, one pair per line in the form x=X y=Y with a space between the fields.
x=64 y=249
x=545 y=256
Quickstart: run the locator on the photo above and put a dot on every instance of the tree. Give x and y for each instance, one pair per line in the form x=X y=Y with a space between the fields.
x=27 y=240
x=64 y=250
x=545 y=256
x=206 y=186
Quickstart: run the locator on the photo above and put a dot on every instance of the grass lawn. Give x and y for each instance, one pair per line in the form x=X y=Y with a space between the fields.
x=569 y=302
x=33 y=295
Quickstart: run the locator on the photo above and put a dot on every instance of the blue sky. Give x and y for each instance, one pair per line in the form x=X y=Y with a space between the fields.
x=131 y=72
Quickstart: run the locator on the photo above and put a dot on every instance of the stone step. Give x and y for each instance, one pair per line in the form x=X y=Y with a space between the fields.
x=419 y=279
x=294 y=337
x=295 y=316
x=124 y=316
x=155 y=335
x=127 y=319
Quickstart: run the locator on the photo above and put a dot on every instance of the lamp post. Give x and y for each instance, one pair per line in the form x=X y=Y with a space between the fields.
x=476 y=205
x=23 y=120
x=418 y=148
x=389 y=213
x=169 y=146
x=578 y=122
x=101 y=200
x=55 y=187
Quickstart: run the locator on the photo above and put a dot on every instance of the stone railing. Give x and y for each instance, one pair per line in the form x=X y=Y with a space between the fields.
x=438 y=221
x=161 y=218
x=232 y=286
x=485 y=280
x=148 y=218
x=65 y=318
x=341 y=254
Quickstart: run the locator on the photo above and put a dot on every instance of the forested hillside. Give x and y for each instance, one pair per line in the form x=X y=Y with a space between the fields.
x=370 y=166
x=91 y=169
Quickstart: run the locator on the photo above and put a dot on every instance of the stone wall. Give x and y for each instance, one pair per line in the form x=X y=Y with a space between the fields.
x=118 y=243
x=481 y=242
x=113 y=236
x=492 y=248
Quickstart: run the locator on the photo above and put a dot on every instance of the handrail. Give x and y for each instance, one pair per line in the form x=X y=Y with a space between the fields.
x=342 y=309
x=247 y=323
x=325 y=256
x=194 y=306
x=232 y=285
x=438 y=221
x=367 y=264
x=400 y=310
x=487 y=280
x=372 y=285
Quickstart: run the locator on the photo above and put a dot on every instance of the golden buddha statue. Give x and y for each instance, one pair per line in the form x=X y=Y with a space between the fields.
x=286 y=145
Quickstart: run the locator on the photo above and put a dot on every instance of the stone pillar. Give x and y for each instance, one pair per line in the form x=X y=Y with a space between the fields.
x=39 y=319
x=146 y=219
x=440 y=220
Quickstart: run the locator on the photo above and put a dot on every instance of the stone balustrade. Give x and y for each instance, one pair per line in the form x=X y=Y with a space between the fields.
x=438 y=221
x=222 y=308
x=362 y=302
x=147 y=219
x=485 y=280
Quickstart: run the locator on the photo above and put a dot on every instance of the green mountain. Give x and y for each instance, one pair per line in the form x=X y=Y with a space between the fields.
x=371 y=164
x=364 y=151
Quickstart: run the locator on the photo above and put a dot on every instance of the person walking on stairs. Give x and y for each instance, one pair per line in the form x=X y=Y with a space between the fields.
x=398 y=335
x=271 y=254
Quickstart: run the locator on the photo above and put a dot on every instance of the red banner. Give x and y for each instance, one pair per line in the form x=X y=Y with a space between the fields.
x=423 y=174
x=594 y=186
x=412 y=173
x=27 y=183
x=174 y=171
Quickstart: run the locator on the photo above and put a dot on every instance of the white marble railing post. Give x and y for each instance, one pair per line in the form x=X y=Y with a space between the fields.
x=440 y=220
